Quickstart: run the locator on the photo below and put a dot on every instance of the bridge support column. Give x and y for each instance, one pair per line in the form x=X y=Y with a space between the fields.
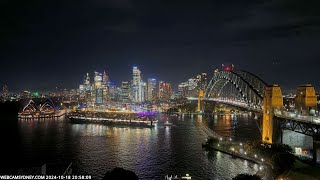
x=200 y=101
x=306 y=100
x=316 y=151
x=272 y=100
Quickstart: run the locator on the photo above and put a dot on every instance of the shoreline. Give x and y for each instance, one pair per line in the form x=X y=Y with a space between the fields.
x=263 y=173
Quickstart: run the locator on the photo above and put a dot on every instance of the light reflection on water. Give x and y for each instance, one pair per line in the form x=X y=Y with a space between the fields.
x=150 y=152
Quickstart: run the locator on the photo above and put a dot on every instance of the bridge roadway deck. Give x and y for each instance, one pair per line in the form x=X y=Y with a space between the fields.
x=315 y=120
x=230 y=102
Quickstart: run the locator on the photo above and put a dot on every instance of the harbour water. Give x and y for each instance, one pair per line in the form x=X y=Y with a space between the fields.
x=150 y=152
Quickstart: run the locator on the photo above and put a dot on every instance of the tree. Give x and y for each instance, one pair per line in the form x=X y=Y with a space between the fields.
x=282 y=162
x=246 y=177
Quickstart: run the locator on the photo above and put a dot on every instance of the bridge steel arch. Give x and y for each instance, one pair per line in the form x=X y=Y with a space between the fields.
x=240 y=85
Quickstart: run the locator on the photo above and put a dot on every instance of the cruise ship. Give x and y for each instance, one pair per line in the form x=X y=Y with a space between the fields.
x=143 y=119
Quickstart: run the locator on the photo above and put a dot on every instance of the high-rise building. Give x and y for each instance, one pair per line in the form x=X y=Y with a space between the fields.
x=151 y=89
x=143 y=91
x=73 y=92
x=165 y=90
x=98 y=88
x=87 y=85
x=99 y=96
x=105 y=86
x=113 y=92
x=105 y=78
x=136 y=85
x=192 y=84
x=183 y=89
x=192 y=87
x=125 y=91
x=5 y=92
x=97 y=80
x=26 y=94
x=203 y=81
x=81 y=89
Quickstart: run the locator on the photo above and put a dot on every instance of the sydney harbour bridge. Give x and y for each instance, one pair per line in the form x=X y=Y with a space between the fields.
x=246 y=90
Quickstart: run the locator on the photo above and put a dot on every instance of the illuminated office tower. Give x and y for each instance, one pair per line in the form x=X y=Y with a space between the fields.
x=203 y=81
x=143 y=91
x=183 y=89
x=105 y=78
x=192 y=87
x=125 y=91
x=87 y=85
x=151 y=89
x=97 y=80
x=5 y=91
x=81 y=89
x=99 y=96
x=113 y=92
x=136 y=85
x=165 y=90
x=105 y=86
x=98 y=88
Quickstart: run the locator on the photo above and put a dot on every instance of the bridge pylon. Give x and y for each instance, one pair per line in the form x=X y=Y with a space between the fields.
x=200 y=101
x=306 y=99
x=272 y=100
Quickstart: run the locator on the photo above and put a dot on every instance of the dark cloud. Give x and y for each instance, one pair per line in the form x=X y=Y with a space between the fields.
x=52 y=43
x=277 y=19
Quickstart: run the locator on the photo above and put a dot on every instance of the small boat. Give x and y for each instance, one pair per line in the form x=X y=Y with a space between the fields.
x=167 y=177
x=167 y=123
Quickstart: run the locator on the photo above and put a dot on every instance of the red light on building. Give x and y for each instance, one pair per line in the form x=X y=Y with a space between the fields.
x=228 y=68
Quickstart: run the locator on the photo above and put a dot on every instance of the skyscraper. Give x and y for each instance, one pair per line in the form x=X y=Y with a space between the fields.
x=87 y=85
x=99 y=96
x=125 y=91
x=105 y=78
x=136 y=85
x=5 y=92
x=143 y=91
x=183 y=89
x=203 y=81
x=105 y=86
x=113 y=92
x=98 y=89
x=151 y=89
x=97 y=80
x=165 y=90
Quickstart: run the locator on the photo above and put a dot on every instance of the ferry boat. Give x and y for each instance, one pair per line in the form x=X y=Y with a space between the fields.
x=167 y=123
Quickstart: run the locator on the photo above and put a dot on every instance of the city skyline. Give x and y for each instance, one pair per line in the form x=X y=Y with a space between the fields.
x=169 y=41
x=140 y=89
x=118 y=82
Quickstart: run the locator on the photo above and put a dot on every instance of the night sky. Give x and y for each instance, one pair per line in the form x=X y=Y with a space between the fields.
x=44 y=44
